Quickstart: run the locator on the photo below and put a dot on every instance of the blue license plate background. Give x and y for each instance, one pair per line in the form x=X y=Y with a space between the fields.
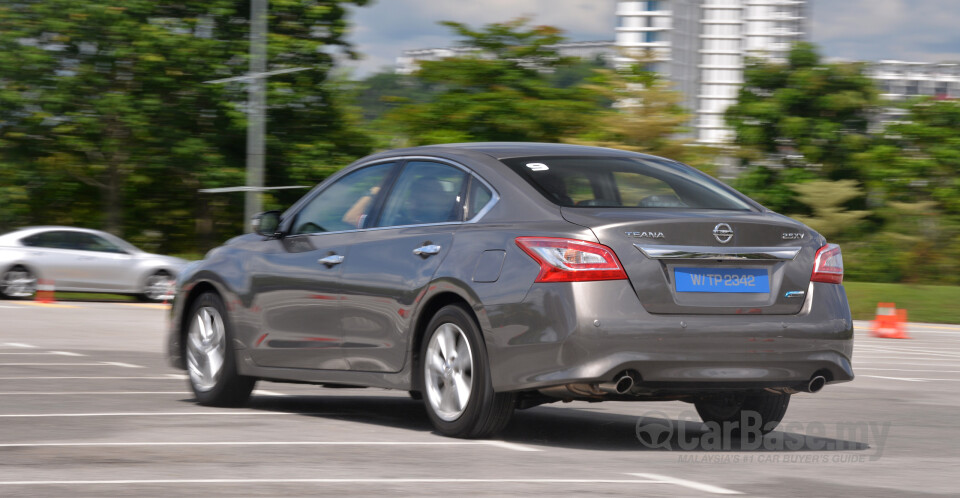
x=721 y=280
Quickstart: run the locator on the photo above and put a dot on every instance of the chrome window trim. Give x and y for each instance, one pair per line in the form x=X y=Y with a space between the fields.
x=719 y=253
x=402 y=160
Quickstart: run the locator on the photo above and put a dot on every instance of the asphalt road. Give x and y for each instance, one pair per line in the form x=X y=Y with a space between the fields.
x=89 y=407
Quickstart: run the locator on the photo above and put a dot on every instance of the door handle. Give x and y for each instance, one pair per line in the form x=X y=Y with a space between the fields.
x=428 y=250
x=333 y=259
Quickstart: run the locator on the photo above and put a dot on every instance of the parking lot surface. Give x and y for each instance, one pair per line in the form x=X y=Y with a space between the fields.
x=90 y=407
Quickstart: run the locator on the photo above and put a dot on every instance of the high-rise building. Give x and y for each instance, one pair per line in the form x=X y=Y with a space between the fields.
x=701 y=45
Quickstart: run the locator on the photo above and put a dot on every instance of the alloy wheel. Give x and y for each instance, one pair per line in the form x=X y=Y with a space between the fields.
x=18 y=282
x=158 y=287
x=206 y=348
x=449 y=372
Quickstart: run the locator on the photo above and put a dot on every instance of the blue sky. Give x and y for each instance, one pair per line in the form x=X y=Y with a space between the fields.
x=915 y=30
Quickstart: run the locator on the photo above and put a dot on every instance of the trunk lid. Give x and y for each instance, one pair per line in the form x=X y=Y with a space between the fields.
x=708 y=261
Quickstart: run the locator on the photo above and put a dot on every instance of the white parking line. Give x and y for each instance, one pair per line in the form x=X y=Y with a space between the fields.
x=98 y=364
x=910 y=354
x=120 y=364
x=44 y=353
x=857 y=362
x=706 y=488
x=652 y=479
x=162 y=377
x=910 y=379
x=922 y=349
x=154 y=414
x=17 y=345
x=862 y=357
x=85 y=393
x=907 y=370
x=495 y=444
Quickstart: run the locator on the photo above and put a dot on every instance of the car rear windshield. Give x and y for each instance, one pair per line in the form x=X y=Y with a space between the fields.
x=624 y=182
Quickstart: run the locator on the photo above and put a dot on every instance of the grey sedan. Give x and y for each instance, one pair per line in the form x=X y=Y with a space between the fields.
x=491 y=277
x=81 y=260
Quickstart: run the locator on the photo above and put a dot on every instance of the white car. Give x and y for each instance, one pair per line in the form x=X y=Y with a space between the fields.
x=81 y=260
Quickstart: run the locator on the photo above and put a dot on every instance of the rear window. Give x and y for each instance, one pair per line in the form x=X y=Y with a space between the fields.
x=624 y=182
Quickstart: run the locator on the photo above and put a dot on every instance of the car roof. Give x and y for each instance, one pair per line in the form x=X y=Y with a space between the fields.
x=505 y=150
x=26 y=231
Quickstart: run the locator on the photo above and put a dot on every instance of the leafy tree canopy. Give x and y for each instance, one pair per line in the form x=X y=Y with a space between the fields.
x=106 y=119
x=804 y=113
x=500 y=92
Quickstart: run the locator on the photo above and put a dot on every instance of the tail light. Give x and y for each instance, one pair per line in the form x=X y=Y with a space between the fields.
x=570 y=260
x=828 y=265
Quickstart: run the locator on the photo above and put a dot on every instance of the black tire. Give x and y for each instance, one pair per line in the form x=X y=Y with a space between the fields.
x=11 y=285
x=228 y=388
x=485 y=412
x=769 y=408
x=149 y=295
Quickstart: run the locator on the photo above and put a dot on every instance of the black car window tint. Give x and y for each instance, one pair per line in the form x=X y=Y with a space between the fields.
x=624 y=182
x=345 y=204
x=35 y=240
x=53 y=240
x=82 y=241
x=425 y=192
x=101 y=244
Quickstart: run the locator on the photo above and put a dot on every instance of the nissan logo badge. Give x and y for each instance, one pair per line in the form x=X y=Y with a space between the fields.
x=723 y=233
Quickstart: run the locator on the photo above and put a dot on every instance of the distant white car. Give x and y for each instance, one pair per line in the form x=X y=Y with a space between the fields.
x=81 y=260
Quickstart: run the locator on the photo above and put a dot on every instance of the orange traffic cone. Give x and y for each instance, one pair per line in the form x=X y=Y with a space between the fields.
x=890 y=322
x=45 y=290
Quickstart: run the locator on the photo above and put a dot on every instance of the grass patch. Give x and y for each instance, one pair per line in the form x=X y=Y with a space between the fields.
x=924 y=303
x=91 y=296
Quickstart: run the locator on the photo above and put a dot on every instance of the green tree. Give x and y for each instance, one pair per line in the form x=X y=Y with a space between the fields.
x=918 y=158
x=106 y=120
x=805 y=113
x=913 y=173
x=827 y=200
x=501 y=92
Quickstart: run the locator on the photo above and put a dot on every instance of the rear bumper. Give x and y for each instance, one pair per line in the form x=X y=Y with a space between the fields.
x=591 y=331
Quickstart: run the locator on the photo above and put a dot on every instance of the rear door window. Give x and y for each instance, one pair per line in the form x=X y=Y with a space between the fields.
x=56 y=239
x=425 y=193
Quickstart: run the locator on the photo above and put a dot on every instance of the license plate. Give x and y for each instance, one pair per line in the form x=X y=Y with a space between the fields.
x=721 y=280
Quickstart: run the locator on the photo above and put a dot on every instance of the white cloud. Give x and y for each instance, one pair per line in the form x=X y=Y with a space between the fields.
x=912 y=30
x=921 y=30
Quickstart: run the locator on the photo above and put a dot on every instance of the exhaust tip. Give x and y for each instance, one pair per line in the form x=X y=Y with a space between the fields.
x=624 y=384
x=816 y=383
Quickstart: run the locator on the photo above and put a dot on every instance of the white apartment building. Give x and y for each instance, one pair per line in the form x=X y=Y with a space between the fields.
x=899 y=80
x=700 y=45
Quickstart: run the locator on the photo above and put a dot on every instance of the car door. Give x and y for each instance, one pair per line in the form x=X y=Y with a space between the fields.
x=53 y=254
x=296 y=279
x=390 y=265
x=101 y=264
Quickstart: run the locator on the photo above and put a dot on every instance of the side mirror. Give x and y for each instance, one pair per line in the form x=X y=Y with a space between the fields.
x=266 y=223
